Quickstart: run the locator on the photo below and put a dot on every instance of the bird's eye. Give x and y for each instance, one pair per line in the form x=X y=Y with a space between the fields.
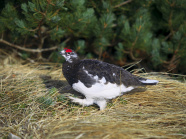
x=68 y=53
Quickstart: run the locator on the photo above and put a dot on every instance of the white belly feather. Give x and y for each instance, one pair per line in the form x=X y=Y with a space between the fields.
x=100 y=90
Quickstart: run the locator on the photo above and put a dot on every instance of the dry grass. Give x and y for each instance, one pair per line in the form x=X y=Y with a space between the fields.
x=32 y=107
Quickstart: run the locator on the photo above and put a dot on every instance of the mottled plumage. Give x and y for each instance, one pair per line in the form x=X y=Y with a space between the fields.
x=97 y=80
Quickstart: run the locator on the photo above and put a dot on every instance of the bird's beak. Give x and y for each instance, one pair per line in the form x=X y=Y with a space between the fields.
x=61 y=53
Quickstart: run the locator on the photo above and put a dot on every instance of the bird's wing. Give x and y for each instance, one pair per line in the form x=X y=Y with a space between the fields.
x=92 y=71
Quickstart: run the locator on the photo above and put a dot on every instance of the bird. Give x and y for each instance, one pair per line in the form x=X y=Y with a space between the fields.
x=98 y=81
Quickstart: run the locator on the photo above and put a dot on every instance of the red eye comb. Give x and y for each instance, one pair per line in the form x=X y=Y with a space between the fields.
x=67 y=50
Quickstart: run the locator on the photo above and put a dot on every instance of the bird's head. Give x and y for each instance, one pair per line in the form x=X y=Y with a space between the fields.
x=69 y=55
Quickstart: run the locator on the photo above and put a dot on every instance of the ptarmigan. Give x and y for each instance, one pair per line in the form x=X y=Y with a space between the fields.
x=98 y=81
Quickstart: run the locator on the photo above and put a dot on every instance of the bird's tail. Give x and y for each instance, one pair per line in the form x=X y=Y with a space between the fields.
x=147 y=81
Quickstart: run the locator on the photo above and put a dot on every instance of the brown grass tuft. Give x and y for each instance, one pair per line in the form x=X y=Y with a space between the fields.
x=34 y=105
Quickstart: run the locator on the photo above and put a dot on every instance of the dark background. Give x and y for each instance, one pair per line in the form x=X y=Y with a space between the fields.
x=149 y=33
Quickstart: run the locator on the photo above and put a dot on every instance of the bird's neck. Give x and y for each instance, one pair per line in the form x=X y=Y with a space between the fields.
x=69 y=70
x=73 y=61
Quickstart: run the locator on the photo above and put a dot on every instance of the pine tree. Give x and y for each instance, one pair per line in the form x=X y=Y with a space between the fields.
x=117 y=30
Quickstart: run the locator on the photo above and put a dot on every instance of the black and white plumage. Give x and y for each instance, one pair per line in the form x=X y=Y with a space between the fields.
x=98 y=81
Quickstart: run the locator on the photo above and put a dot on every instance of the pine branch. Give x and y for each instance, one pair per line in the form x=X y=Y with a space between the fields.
x=170 y=22
x=126 y=52
x=175 y=54
x=42 y=39
x=2 y=35
x=29 y=59
x=131 y=49
x=123 y=3
x=130 y=53
x=133 y=57
x=100 y=53
x=168 y=36
x=27 y=49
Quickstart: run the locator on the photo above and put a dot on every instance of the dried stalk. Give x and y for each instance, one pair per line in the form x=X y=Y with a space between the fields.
x=27 y=49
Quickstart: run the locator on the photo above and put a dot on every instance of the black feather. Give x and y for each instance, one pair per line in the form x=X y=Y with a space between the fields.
x=114 y=74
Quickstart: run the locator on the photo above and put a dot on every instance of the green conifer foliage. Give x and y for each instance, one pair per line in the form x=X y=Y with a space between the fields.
x=118 y=31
